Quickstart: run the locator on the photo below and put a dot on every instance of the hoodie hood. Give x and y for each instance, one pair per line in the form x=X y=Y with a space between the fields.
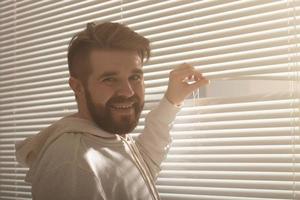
x=28 y=150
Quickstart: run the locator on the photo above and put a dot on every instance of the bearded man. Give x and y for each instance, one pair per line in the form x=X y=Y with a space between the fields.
x=89 y=155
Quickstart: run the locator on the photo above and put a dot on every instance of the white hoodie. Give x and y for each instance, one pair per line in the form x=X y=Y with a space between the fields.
x=73 y=159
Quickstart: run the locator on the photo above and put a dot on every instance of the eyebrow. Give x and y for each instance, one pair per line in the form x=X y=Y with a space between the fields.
x=137 y=71
x=114 y=73
x=107 y=74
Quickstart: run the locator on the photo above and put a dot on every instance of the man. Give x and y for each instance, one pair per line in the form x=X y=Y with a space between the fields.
x=89 y=155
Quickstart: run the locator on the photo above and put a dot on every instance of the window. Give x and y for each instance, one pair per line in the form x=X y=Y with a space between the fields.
x=238 y=138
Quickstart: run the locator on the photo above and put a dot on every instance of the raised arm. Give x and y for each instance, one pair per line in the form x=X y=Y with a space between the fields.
x=155 y=140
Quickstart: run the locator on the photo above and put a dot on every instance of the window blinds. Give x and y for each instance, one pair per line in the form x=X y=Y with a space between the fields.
x=244 y=146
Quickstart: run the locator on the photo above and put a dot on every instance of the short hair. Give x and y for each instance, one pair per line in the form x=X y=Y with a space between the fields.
x=107 y=35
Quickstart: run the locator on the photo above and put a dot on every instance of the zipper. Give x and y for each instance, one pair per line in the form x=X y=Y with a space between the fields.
x=143 y=168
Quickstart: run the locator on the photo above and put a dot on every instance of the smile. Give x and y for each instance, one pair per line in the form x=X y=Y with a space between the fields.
x=121 y=106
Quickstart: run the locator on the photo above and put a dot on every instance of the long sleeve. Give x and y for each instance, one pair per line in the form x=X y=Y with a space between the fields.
x=155 y=140
x=68 y=182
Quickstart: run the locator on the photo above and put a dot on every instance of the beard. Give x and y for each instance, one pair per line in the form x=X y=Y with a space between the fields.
x=105 y=117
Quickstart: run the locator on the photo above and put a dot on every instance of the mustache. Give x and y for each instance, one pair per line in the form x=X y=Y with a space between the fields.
x=122 y=99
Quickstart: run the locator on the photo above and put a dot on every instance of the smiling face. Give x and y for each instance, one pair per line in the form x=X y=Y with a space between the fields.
x=114 y=94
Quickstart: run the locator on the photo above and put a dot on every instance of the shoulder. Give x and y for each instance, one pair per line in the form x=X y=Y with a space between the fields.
x=63 y=155
x=74 y=149
x=68 y=181
x=62 y=150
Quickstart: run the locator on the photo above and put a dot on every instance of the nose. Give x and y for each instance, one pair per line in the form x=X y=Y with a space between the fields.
x=125 y=89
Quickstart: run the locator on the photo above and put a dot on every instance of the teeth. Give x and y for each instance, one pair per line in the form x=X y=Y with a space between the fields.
x=121 y=107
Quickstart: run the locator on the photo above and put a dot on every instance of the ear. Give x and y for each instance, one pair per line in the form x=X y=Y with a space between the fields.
x=76 y=86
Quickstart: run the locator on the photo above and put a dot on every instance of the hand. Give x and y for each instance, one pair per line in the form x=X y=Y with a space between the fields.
x=178 y=88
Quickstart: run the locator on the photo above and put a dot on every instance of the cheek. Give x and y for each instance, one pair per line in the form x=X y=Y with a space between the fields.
x=102 y=95
x=140 y=90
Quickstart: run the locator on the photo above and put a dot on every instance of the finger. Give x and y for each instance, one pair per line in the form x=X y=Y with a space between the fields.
x=184 y=66
x=183 y=74
x=198 y=76
x=191 y=77
x=198 y=84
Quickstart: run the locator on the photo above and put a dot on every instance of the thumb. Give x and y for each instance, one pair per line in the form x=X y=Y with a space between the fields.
x=198 y=84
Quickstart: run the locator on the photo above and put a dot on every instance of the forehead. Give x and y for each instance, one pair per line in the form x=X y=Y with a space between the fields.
x=114 y=60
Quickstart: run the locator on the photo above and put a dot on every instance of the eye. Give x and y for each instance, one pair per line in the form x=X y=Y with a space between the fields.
x=136 y=77
x=109 y=80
